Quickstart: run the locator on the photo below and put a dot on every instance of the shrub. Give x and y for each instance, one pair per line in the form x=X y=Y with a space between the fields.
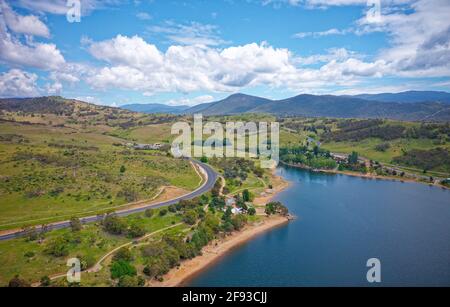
x=75 y=224
x=162 y=212
x=382 y=147
x=251 y=211
x=190 y=217
x=114 y=225
x=131 y=281
x=123 y=254
x=122 y=268
x=45 y=281
x=149 y=212
x=136 y=231
x=57 y=247
x=18 y=282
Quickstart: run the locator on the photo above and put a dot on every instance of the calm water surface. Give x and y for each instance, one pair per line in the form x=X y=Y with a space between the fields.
x=342 y=222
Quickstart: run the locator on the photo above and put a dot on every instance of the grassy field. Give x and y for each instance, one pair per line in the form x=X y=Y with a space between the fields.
x=29 y=260
x=49 y=173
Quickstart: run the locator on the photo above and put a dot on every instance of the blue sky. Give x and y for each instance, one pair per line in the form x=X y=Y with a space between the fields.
x=190 y=52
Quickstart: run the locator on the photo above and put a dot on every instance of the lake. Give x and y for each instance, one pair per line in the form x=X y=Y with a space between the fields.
x=342 y=222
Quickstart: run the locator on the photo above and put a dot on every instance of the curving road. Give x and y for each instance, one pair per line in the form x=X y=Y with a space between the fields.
x=211 y=176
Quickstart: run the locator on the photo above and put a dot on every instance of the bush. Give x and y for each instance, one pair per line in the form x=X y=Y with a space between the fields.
x=114 y=225
x=382 y=147
x=131 y=281
x=239 y=221
x=162 y=212
x=251 y=211
x=149 y=212
x=122 y=268
x=123 y=254
x=75 y=224
x=190 y=217
x=17 y=282
x=45 y=281
x=57 y=247
x=136 y=231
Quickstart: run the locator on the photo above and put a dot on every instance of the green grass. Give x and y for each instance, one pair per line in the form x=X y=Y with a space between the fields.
x=83 y=167
x=94 y=244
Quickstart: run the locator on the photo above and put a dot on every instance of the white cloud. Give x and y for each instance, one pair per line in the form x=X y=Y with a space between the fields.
x=132 y=51
x=140 y=66
x=144 y=16
x=193 y=33
x=321 y=33
x=22 y=24
x=59 y=7
x=18 y=83
x=190 y=101
x=32 y=54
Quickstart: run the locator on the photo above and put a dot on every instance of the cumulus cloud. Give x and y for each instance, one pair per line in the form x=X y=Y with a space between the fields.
x=193 y=33
x=23 y=24
x=138 y=65
x=18 y=83
x=30 y=53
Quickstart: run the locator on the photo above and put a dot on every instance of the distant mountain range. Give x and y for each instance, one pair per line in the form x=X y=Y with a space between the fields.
x=153 y=108
x=408 y=97
x=412 y=106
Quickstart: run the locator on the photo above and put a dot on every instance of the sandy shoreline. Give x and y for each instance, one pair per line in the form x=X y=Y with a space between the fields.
x=214 y=251
x=177 y=277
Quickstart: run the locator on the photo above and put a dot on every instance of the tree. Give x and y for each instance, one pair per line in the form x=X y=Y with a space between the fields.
x=227 y=215
x=246 y=195
x=162 y=212
x=122 y=169
x=149 y=212
x=75 y=224
x=172 y=208
x=114 y=225
x=239 y=221
x=57 y=247
x=131 y=281
x=353 y=158
x=122 y=268
x=45 y=281
x=136 y=231
x=18 y=282
x=204 y=159
x=251 y=211
x=123 y=254
x=190 y=217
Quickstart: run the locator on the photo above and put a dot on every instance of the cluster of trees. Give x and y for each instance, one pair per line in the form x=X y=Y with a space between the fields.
x=236 y=170
x=123 y=271
x=316 y=158
x=276 y=208
x=356 y=133
x=161 y=256
x=426 y=159
x=353 y=164
x=117 y=226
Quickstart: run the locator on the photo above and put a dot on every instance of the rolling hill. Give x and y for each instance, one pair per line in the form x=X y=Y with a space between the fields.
x=408 y=97
x=327 y=106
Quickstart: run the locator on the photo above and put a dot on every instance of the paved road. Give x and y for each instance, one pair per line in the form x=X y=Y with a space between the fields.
x=206 y=186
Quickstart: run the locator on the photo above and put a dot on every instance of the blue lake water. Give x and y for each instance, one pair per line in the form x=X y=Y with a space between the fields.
x=342 y=222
